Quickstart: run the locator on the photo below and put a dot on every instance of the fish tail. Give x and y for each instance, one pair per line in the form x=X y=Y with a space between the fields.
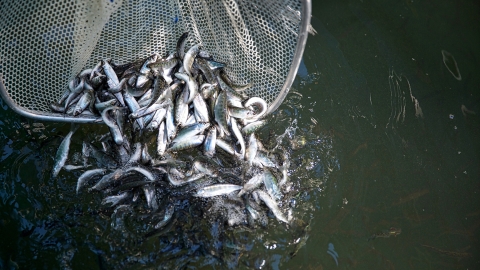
x=74 y=127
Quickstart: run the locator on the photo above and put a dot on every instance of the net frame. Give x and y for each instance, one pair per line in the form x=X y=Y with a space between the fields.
x=40 y=52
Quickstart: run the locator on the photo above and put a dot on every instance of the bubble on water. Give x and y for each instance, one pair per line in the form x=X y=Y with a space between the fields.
x=451 y=116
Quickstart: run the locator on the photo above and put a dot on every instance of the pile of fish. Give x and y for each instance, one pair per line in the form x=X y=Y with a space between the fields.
x=202 y=126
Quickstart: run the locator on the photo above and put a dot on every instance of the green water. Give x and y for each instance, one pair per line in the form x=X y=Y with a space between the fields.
x=387 y=144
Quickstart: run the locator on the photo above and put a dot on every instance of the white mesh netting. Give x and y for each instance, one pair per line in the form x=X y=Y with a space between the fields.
x=44 y=44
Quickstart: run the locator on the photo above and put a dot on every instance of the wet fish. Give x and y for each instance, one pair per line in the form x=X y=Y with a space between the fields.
x=217 y=190
x=271 y=204
x=190 y=142
x=86 y=176
x=62 y=151
x=252 y=184
x=271 y=185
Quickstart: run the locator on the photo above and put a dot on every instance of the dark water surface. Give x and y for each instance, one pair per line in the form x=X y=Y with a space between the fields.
x=382 y=126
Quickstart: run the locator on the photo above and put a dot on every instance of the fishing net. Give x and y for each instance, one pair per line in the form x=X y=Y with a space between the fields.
x=45 y=44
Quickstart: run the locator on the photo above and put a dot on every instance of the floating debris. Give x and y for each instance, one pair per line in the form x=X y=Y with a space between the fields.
x=386 y=234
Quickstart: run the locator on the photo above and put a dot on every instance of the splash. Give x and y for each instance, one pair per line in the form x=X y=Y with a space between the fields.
x=398 y=99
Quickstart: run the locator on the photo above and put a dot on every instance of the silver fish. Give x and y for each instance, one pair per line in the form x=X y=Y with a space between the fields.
x=135 y=157
x=158 y=118
x=207 y=90
x=148 y=110
x=238 y=135
x=116 y=199
x=107 y=179
x=191 y=83
x=112 y=79
x=271 y=185
x=181 y=45
x=96 y=69
x=181 y=108
x=83 y=103
x=69 y=168
x=145 y=69
x=201 y=109
x=221 y=112
x=151 y=197
x=189 y=58
x=261 y=159
x=143 y=171
x=161 y=139
x=253 y=126
x=284 y=170
x=87 y=176
x=252 y=149
x=203 y=168
x=170 y=126
x=271 y=204
x=217 y=190
x=210 y=142
x=145 y=157
x=239 y=112
x=133 y=106
x=252 y=184
x=190 y=131
x=257 y=104
x=225 y=146
x=100 y=106
x=190 y=142
x=62 y=151
x=168 y=215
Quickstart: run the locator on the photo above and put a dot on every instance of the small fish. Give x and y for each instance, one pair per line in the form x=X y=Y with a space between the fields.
x=271 y=204
x=69 y=168
x=251 y=152
x=112 y=79
x=253 y=126
x=191 y=83
x=210 y=142
x=161 y=139
x=271 y=185
x=201 y=110
x=238 y=136
x=189 y=58
x=143 y=171
x=107 y=179
x=116 y=199
x=87 y=176
x=181 y=45
x=190 y=142
x=190 y=131
x=252 y=184
x=168 y=216
x=225 y=146
x=217 y=190
x=258 y=105
x=62 y=151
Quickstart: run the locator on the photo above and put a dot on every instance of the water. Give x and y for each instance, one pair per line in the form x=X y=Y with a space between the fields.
x=380 y=132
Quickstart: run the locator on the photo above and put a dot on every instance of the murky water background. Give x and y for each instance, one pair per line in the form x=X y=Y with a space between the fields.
x=381 y=131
